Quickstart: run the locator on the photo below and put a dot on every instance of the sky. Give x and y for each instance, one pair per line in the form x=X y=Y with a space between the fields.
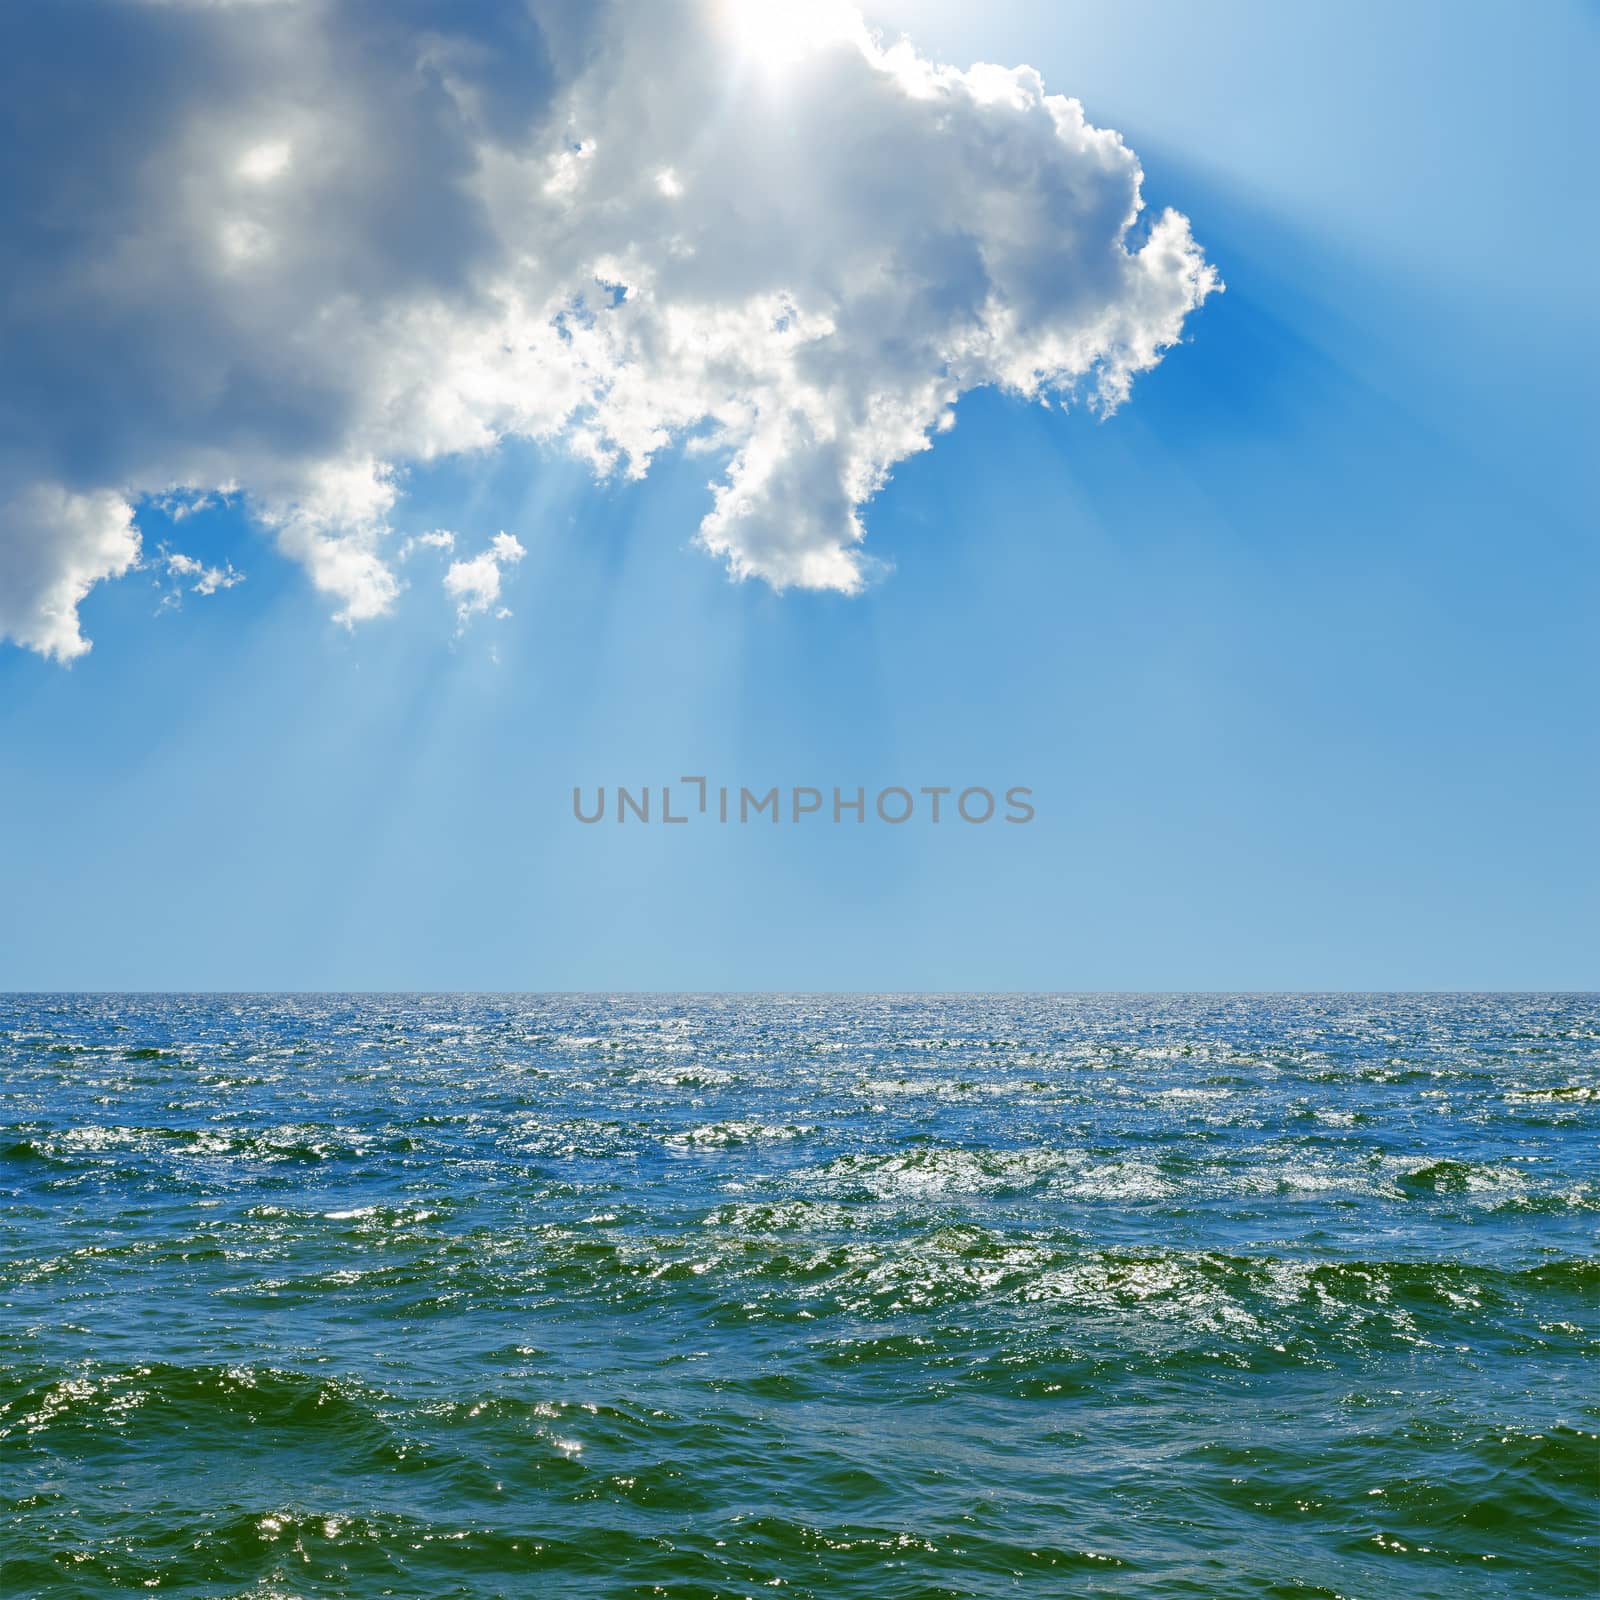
x=652 y=398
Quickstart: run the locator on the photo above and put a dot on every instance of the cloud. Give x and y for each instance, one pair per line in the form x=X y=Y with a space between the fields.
x=55 y=545
x=475 y=584
x=439 y=539
x=286 y=250
x=181 y=569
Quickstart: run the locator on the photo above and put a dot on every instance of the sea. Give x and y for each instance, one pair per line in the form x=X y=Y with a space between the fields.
x=897 y=1297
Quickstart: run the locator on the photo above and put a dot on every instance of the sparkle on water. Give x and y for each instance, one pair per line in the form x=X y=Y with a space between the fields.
x=892 y=1298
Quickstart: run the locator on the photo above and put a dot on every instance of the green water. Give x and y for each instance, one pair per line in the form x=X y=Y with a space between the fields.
x=890 y=1298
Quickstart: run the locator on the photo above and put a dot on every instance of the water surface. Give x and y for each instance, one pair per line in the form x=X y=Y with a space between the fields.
x=893 y=1298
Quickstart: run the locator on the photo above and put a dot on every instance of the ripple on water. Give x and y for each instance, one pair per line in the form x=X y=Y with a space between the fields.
x=889 y=1297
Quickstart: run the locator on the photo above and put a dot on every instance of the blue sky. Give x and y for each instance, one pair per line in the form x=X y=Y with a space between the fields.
x=1297 y=650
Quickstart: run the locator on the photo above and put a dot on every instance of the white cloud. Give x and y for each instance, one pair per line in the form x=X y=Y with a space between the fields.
x=438 y=539
x=289 y=250
x=182 y=568
x=475 y=584
x=54 y=547
x=261 y=163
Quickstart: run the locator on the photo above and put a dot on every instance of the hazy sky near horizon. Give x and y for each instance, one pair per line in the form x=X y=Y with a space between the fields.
x=1283 y=607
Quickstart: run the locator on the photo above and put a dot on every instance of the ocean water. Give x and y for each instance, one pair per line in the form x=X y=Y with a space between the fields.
x=895 y=1298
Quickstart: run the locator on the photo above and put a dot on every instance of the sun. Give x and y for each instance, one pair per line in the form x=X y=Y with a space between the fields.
x=779 y=34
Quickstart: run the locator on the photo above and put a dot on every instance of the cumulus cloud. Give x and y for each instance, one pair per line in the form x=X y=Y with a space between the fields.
x=475 y=584
x=288 y=249
x=55 y=545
